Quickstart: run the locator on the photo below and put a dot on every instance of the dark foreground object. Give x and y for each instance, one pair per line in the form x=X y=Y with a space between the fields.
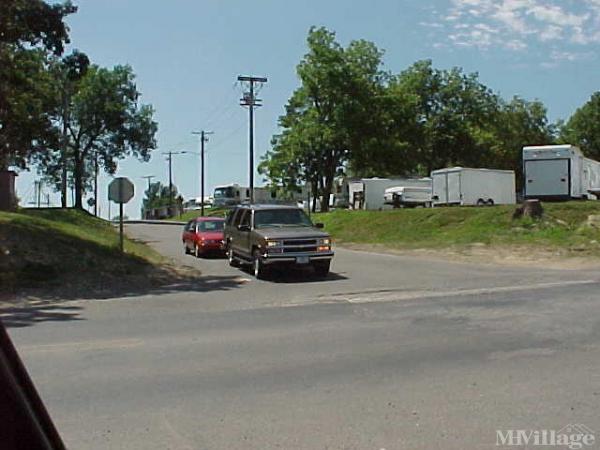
x=24 y=421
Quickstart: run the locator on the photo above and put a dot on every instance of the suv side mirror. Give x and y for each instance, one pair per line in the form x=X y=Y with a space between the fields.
x=243 y=227
x=319 y=225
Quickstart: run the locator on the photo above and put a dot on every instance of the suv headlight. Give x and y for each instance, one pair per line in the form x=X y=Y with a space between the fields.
x=324 y=245
x=271 y=244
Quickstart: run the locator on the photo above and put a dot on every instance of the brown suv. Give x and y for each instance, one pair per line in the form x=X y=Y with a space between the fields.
x=265 y=235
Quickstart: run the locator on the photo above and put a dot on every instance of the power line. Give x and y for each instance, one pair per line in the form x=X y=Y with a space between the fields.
x=225 y=118
x=228 y=136
x=221 y=107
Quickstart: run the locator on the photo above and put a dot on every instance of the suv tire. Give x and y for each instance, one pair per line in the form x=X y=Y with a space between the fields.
x=231 y=258
x=258 y=268
x=322 y=268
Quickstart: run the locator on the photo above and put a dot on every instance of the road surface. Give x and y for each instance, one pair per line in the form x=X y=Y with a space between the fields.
x=389 y=352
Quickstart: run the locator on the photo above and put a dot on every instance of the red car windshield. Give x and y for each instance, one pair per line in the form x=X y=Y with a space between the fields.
x=211 y=225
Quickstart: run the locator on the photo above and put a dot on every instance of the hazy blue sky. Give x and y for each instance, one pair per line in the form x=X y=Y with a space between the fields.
x=187 y=55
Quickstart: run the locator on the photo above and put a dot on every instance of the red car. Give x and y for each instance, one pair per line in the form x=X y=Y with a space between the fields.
x=203 y=235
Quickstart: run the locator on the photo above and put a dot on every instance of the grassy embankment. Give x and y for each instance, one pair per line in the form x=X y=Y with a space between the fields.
x=54 y=247
x=564 y=227
x=212 y=212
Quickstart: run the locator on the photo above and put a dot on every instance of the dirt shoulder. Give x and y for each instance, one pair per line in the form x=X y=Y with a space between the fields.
x=480 y=253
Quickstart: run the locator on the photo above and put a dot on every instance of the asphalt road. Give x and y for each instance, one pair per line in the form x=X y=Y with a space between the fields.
x=389 y=352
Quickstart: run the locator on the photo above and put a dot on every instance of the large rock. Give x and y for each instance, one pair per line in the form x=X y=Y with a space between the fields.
x=529 y=208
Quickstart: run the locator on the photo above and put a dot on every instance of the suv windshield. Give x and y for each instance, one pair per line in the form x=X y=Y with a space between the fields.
x=281 y=218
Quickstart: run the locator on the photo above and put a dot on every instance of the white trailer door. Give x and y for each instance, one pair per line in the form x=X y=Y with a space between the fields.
x=454 y=187
x=440 y=194
x=547 y=177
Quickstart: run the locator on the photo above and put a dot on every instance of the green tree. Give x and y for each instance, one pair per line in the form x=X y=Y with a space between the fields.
x=27 y=23
x=329 y=116
x=106 y=124
x=449 y=108
x=583 y=128
x=517 y=123
x=28 y=107
x=157 y=195
x=30 y=30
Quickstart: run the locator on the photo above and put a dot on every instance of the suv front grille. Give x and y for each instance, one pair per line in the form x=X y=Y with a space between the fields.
x=299 y=249
x=299 y=245
x=297 y=242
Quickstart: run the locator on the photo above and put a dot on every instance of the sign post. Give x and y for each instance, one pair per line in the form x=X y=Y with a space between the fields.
x=120 y=190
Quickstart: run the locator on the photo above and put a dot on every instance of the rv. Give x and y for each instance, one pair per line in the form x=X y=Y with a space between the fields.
x=368 y=193
x=408 y=196
x=234 y=194
x=230 y=194
x=555 y=172
x=465 y=186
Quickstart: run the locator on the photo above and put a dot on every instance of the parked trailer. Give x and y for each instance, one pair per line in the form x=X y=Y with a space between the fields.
x=368 y=193
x=408 y=196
x=466 y=186
x=559 y=172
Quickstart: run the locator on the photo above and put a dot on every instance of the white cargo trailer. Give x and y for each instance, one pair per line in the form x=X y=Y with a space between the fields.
x=368 y=193
x=466 y=186
x=555 y=172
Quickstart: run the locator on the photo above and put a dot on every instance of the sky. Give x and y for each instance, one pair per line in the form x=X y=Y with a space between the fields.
x=187 y=55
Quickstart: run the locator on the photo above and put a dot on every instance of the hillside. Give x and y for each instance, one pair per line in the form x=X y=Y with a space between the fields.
x=212 y=212
x=564 y=228
x=49 y=248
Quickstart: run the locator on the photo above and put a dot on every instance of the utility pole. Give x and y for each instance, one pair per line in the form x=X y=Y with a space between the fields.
x=248 y=99
x=170 y=160
x=38 y=193
x=203 y=139
x=170 y=179
x=149 y=178
x=65 y=145
x=96 y=184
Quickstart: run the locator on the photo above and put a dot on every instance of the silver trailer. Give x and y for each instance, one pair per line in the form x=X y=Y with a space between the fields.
x=368 y=193
x=559 y=172
x=466 y=186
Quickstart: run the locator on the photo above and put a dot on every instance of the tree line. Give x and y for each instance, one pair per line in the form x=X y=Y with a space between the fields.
x=65 y=115
x=351 y=117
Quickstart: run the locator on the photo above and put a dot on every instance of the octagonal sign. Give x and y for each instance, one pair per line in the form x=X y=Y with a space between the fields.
x=120 y=190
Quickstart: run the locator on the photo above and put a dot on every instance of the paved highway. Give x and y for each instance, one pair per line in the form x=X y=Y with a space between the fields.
x=389 y=352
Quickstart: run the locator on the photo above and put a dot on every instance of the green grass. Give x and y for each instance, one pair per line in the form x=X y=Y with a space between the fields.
x=563 y=226
x=55 y=245
x=211 y=212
